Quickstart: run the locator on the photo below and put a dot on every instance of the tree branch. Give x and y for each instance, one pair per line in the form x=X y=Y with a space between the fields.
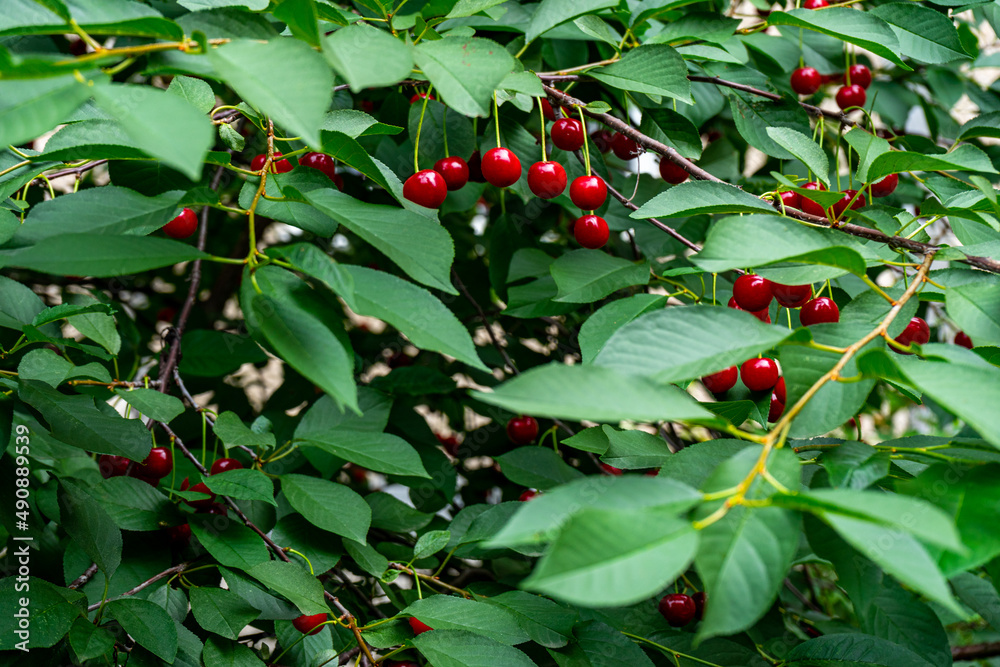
x=975 y=651
x=176 y=569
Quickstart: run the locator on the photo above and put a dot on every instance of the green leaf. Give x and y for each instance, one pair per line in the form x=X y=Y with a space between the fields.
x=978 y=594
x=444 y=612
x=654 y=69
x=675 y=130
x=31 y=107
x=430 y=543
x=221 y=611
x=243 y=484
x=600 y=645
x=215 y=353
x=536 y=467
x=863 y=29
x=90 y=527
x=377 y=451
x=197 y=93
x=289 y=187
x=349 y=51
x=694 y=197
x=594 y=393
x=605 y=557
x=923 y=33
x=755 y=117
x=546 y=622
x=458 y=648
x=90 y=641
x=135 y=505
x=328 y=505
x=25 y=17
x=686 y=342
x=975 y=308
x=465 y=71
x=292 y=582
x=695 y=463
x=100 y=256
x=804 y=149
x=284 y=78
x=852 y=650
x=52 y=611
x=148 y=624
x=152 y=403
x=551 y=13
x=868 y=147
x=418 y=245
x=231 y=430
x=367 y=558
x=230 y=543
x=983 y=125
x=964 y=157
x=470 y=7
x=634 y=449
x=600 y=326
x=301 y=18
x=226 y=652
x=583 y=276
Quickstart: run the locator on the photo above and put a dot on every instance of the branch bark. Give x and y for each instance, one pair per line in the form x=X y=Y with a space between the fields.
x=975 y=651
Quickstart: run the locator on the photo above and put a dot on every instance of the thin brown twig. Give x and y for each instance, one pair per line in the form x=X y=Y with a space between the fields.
x=176 y=569
x=69 y=171
x=85 y=577
x=194 y=404
x=486 y=323
x=431 y=579
x=976 y=651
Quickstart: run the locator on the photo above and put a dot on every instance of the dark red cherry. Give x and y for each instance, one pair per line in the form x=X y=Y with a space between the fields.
x=791 y=199
x=624 y=147
x=449 y=442
x=501 y=167
x=454 y=170
x=776 y=409
x=791 y=296
x=721 y=382
x=278 y=166
x=671 y=172
x=916 y=331
x=527 y=494
x=182 y=226
x=588 y=192
x=426 y=188
x=325 y=164
x=522 y=430
x=476 y=168
x=199 y=488
x=779 y=390
x=678 y=609
x=547 y=180
x=309 y=625
x=849 y=197
x=886 y=186
x=962 y=339
x=851 y=96
x=421 y=96
x=759 y=374
x=806 y=80
x=763 y=315
x=591 y=231
x=860 y=75
x=547 y=110
x=699 y=604
x=815 y=4
x=417 y=626
x=112 y=466
x=808 y=205
x=180 y=536
x=611 y=470
x=752 y=292
x=223 y=465
x=156 y=465
x=601 y=139
x=818 y=311
x=567 y=134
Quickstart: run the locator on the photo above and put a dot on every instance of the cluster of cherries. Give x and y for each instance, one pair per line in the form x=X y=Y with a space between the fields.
x=680 y=609
x=854 y=83
x=157 y=465
x=851 y=198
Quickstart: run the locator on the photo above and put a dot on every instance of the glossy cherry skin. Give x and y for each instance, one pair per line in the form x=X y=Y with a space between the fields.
x=522 y=430
x=224 y=465
x=588 y=192
x=567 y=134
x=527 y=495
x=672 y=173
x=454 y=170
x=776 y=409
x=860 y=75
x=475 y=163
x=779 y=390
x=818 y=311
x=851 y=96
x=501 y=167
x=624 y=147
x=721 y=382
x=815 y=4
x=420 y=96
x=426 y=188
x=752 y=292
x=791 y=199
x=759 y=374
x=591 y=231
x=808 y=205
x=183 y=226
x=547 y=180
x=309 y=625
x=611 y=470
x=678 y=609
x=699 y=604
x=849 y=197
x=806 y=80
x=325 y=164
x=277 y=166
x=112 y=466
x=886 y=186
x=547 y=110
x=916 y=331
x=601 y=139
x=763 y=315
x=156 y=465
x=962 y=339
x=417 y=626
x=791 y=296
x=199 y=488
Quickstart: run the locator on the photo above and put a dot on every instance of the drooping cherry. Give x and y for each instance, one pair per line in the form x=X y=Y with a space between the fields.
x=815 y=4
x=916 y=331
x=475 y=163
x=567 y=134
x=721 y=382
x=791 y=199
x=763 y=315
x=601 y=139
x=183 y=226
x=588 y=192
x=454 y=170
x=852 y=198
x=418 y=627
x=818 y=311
x=223 y=465
x=625 y=147
x=851 y=96
x=611 y=470
x=421 y=96
x=962 y=339
x=200 y=487
x=278 y=166
x=859 y=74
x=672 y=173
x=325 y=164
x=591 y=231
x=527 y=495
x=112 y=466
x=752 y=292
x=501 y=167
x=547 y=110
x=522 y=430
x=808 y=205
x=885 y=186
x=309 y=625
x=759 y=374
x=679 y=609
x=791 y=296
x=806 y=80
x=157 y=464
x=775 y=409
x=699 y=604
x=779 y=390
x=547 y=180
x=426 y=188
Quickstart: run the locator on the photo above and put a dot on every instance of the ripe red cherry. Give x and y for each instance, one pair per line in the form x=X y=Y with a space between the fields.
x=806 y=80
x=886 y=186
x=567 y=134
x=180 y=535
x=223 y=465
x=156 y=465
x=426 y=188
x=721 y=382
x=962 y=339
x=851 y=96
x=199 y=488
x=417 y=626
x=421 y=96
x=791 y=199
x=808 y=205
x=916 y=331
x=672 y=173
x=182 y=226
x=449 y=442
x=776 y=409
x=699 y=604
x=309 y=625
x=849 y=195
x=278 y=166
x=678 y=609
x=547 y=179
x=475 y=163
x=588 y=192
x=325 y=164
x=547 y=110
x=112 y=466
x=759 y=374
x=762 y=315
x=791 y=296
x=591 y=231
x=611 y=470
x=779 y=390
x=752 y=292
x=454 y=170
x=624 y=147
x=815 y=4
x=527 y=495
x=601 y=139
x=819 y=311
x=501 y=167
x=860 y=75
x=522 y=430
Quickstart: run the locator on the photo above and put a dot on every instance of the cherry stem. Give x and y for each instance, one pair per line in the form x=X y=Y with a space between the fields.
x=444 y=131
x=420 y=126
x=496 y=117
x=586 y=142
x=541 y=115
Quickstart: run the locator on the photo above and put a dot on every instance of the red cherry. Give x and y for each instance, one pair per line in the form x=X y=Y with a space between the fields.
x=567 y=134
x=601 y=139
x=791 y=199
x=591 y=231
x=699 y=604
x=806 y=80
x=277 y=166
x=752 y=292
x=776 y=409
x=962 y=339
x=417 y=626
x=325 y=164
x=819 y=311
x=306 y=624
x=815 y=4
x=624 y=147
x=214 y=508
x=721 y=382
x=522 y=430
x=527 y=495
x=199 y=488
x=678 y=609
x=157 y=464
x=180 y=535
x=886 y=186
x=547 y=179
x=223 y=465
x=547 y=110
x=501 y=167
x=849 y=195
x=112 y=466
x=421 y=96
x=860 y=75
x=851 y=96
x=182 y=226
x=454 y=171
x=762 y=315
x=426 y=188
x=791 y=296
x=779 y=390
x=916 y=331
x=808 y=205
x=476 y=168
x=611 y=470
x=759 y=374
x=588 y=192
x=672 y=173
x=830 y=78
x=152 y=481
x=450 y=443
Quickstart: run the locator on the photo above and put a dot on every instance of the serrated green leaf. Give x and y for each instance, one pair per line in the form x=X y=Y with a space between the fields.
x=328 y=505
